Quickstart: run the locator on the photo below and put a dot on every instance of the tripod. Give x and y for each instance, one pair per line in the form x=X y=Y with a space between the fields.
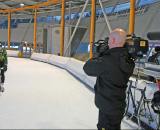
x=1 y=80
x=141 y=107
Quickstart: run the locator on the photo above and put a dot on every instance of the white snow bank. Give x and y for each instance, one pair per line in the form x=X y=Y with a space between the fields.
x=41 y=57
x=58 y=61
x=74 y=66
x=12 y=53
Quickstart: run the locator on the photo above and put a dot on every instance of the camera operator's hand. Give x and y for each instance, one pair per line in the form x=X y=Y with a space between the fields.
x=96 y=55
x=101 y=51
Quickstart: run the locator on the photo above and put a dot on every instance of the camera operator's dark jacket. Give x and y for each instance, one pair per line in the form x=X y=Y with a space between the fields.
x=112 y=70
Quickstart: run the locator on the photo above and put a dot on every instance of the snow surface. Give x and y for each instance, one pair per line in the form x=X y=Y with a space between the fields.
x=12 y=53
x=42 y=96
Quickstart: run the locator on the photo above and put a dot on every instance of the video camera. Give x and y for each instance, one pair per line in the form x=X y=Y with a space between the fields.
x=136 y=46
x=100 y=46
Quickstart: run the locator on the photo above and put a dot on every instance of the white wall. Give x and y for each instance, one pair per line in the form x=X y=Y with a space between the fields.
x=24 y=32
x=54 y=39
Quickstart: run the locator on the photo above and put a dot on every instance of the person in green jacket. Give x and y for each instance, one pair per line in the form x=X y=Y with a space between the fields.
x=3 y=65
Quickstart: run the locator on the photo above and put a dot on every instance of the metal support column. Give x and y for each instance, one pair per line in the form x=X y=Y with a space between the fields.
x=9 y=30
x=132 y=17
x=35 y=31
x=62 y=28
x=92 y=27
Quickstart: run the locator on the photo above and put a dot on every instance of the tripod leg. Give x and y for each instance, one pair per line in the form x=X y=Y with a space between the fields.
x=150 y=114
x=140 y=108
x=1 y=88
x=158 y=128
x=138 y=115
x=127 y=104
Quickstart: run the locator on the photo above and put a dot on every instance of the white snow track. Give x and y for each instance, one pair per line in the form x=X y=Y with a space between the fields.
x=41 y=96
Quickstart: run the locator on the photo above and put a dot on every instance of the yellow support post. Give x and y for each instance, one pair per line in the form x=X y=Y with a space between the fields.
x=62 y=28
x=35 y=31
x=92 y=27
x=9 y=30
x=132 y=17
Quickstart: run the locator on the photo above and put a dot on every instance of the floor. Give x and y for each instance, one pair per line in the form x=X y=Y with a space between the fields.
x=42 y=96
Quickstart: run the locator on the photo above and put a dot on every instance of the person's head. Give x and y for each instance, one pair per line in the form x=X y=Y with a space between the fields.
x=117 y=38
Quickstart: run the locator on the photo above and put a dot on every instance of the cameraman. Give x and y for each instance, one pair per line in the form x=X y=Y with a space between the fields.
x=112 y=69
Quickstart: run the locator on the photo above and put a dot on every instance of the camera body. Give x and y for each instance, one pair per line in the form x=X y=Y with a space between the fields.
x=136 y=46
x=100 y=46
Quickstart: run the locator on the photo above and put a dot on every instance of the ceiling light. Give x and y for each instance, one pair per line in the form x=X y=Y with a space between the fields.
x=21 y=4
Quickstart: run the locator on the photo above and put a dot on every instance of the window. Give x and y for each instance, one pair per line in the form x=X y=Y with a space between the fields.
x=66 y=17
x=99 y=12
x=122 y=7
x=72 y=16
x=23 y=20
x=87 y=14
x=57 y=18
x=75 y=16
x=144 y=2
x=108 y=10
x=41 y=19
x=82 y=48
x=82 y=15
x=49 y=19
